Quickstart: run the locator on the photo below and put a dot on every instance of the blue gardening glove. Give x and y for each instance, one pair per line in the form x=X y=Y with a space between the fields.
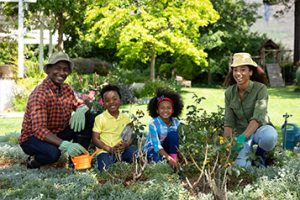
x=73 y=149
x=77 y=121
x=240 y=140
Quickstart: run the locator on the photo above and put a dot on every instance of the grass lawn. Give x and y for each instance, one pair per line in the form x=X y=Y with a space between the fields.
x=282 y=100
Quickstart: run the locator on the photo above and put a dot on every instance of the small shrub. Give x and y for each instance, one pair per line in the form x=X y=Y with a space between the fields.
x=150 y=88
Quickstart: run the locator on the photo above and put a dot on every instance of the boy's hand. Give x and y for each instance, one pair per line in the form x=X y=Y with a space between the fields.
x=120 y=148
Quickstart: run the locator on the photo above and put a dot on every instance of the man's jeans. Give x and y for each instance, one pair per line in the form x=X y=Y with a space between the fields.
x=265 y=137
x=47 y=153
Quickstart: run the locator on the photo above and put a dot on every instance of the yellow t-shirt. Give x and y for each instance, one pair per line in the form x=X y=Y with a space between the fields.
x=110 y=128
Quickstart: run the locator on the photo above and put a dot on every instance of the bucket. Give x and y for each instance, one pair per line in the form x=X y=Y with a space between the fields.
x=83 y=161
x=290 y=135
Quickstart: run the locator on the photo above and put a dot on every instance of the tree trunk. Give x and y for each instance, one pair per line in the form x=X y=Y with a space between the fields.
x=152 y=66
x=297 y=32
x=209 y=77
x=60 y=45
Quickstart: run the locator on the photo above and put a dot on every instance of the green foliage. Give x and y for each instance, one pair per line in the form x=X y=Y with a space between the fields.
x=19 y=102
x=145 y=29
x=231 y=34
x=8 y=49
x=150 y=88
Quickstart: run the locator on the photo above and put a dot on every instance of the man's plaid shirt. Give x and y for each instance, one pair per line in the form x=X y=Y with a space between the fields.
x=48 y=110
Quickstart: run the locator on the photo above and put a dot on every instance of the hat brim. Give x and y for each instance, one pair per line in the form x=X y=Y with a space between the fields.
x=65 y=60
x=242 y=64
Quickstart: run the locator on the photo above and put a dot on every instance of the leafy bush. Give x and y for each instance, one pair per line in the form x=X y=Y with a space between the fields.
x=150 y=88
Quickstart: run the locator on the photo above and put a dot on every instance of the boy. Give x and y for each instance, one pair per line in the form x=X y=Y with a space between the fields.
x=107 y=130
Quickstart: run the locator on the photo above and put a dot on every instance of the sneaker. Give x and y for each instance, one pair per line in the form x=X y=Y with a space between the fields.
x=32 y=163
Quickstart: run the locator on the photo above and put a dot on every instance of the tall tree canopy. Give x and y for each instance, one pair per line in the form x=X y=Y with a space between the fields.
x=142 y=29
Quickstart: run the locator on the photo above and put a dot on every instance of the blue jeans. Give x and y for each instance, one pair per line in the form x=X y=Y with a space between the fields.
x=265 y=137
x=47 y=153
x=170 y=145
x=105 y=159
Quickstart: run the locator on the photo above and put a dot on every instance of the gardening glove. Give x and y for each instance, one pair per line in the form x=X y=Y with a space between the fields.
x=77 y=121
x=240 y=140
x=73 y=149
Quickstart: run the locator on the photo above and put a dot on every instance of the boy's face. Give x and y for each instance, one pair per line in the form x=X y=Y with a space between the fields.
x=112 y=102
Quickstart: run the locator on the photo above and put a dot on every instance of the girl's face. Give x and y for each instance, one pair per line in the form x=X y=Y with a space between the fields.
x=165 y=110
x=242 y=74
x=112 y=102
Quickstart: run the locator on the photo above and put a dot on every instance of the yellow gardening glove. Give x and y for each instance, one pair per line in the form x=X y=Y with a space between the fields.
x=77 y=121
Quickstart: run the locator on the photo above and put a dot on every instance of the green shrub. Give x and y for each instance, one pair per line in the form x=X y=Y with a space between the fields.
x=150 y=88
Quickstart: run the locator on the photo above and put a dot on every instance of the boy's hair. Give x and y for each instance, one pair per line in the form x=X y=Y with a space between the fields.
x=107 y=88
x=165 y=93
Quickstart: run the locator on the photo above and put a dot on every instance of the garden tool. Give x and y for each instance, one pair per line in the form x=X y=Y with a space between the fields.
x=83 y=161
x=126 y=134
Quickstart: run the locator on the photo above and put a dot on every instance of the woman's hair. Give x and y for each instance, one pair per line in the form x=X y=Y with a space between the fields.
x=165 y=93
x=107 y=88
x=258 y=75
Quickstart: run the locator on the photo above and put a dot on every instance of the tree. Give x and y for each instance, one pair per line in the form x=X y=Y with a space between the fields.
x=287 y=6
x=230 y=34
x=65 y=16
x=141 y=30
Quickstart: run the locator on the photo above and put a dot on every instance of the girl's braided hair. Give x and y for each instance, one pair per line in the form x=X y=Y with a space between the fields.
x=165 y=93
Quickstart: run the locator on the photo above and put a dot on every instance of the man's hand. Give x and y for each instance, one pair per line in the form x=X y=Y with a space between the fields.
x=77 y=121
x=73 y=149
x=240 y=140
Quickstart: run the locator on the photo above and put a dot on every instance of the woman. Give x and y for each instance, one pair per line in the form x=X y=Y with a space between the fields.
x=246 y=104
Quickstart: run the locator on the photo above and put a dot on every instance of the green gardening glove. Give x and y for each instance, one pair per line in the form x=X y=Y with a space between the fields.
x=240 y=140
x=73 y=149
x=77 y=121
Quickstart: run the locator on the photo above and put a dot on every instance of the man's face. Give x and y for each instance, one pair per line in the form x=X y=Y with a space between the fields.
x=58 y=72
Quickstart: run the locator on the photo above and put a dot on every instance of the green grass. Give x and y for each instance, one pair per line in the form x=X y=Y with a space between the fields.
x=282 y=100
x=10 y=124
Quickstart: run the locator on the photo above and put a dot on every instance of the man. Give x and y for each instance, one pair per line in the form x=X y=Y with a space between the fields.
x=55 y=121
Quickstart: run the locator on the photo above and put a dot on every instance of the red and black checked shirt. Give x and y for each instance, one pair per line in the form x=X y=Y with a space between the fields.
x=47 y=111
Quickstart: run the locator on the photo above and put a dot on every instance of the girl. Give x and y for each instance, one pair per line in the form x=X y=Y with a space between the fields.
x=162 y=141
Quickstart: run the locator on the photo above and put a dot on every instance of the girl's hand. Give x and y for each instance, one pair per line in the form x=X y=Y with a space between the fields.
x=172 y=162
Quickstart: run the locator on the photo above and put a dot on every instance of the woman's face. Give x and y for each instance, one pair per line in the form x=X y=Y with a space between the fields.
x=242 y=74
x=165 y=110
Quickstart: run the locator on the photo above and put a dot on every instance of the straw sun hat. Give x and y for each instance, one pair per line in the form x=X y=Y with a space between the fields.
x=240 y=59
